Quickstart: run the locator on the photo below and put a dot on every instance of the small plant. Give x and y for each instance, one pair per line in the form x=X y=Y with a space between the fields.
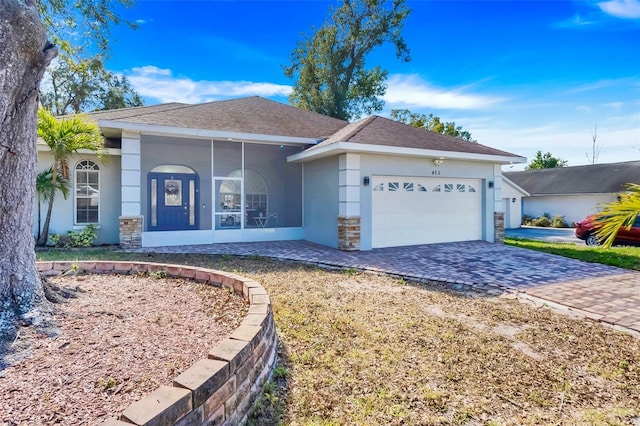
x=106 y=383
x=350 y=272
x=157 y=275
x=255 y=257
x=280 y=372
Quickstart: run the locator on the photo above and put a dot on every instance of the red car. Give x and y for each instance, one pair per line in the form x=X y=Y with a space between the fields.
x=585 y=230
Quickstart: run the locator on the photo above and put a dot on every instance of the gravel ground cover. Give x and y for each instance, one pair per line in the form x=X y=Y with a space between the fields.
x=366 y=349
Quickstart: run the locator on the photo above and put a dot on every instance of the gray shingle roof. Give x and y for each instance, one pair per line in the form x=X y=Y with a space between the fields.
x=254 y=115
x=377 y=130
x=590 y=179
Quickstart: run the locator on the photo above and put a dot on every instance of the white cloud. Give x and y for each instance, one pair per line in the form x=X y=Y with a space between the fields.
x=576 y=21
x=411 y=91
x=160 y=84
x=614 y=105
x=625 y=9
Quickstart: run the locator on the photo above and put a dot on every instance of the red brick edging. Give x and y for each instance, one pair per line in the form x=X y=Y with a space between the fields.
x=219 y=390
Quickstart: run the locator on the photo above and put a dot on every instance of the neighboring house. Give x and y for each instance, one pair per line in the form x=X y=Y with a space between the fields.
x=513 y=197
x=572 y=192
x=252 y=169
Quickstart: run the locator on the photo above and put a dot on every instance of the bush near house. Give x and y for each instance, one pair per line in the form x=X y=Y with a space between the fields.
x=545 y=221
x=84 y=238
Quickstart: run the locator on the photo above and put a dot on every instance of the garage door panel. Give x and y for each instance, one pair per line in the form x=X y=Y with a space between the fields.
x=419 y=210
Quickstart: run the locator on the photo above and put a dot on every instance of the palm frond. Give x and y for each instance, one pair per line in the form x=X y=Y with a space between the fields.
x=618 y=214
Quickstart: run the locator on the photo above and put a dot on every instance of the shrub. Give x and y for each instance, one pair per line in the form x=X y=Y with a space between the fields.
x=527 y=220
x=541 y=221
x=559 y=222
x=84 y=238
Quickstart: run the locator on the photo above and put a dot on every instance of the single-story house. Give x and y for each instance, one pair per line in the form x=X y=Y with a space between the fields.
x=252 y=169
x=573 y=192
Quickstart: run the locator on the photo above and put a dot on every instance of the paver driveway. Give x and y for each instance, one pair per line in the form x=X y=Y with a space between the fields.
x=492 y=268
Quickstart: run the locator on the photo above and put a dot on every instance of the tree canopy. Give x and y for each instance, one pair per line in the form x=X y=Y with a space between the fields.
x=73 y=86
x=431 y=122
x=545 y=161
x=78 y=80
x=329 y=66
x=74 y=24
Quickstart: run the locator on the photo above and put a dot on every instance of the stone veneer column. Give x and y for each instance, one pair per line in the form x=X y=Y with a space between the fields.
x=349 y=198
x=498 y=218
x=131 y=232
x=349 y=233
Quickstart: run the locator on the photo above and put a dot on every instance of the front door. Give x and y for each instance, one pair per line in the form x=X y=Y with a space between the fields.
x=173 y=201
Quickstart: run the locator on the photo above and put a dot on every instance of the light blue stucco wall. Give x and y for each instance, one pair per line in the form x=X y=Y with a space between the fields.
x=381 y=165
x=193 y=153
x=321 y=201
x=62 y=217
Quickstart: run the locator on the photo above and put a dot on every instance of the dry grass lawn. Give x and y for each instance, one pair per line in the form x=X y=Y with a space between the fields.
x=365 y=349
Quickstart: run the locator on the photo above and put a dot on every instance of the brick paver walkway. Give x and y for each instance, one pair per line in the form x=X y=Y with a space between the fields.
x=603 y=292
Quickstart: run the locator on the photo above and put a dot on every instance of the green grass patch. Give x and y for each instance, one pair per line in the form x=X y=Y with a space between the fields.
x=621 y=256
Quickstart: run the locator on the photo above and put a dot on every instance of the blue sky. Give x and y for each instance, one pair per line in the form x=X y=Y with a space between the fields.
x=520 y=76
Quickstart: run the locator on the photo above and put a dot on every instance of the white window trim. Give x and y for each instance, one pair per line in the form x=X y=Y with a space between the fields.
x=77 y=225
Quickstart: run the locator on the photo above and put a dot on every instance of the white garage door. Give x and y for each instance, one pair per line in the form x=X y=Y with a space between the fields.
x=420 y=210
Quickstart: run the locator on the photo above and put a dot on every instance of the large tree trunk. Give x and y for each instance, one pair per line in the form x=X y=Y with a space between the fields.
x=24 y=55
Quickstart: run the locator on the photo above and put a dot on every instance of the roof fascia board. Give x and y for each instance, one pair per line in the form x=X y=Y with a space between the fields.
x=515 y=186
x=342 y=147
x=109 y=151
x=574 y=194
x=152 y=129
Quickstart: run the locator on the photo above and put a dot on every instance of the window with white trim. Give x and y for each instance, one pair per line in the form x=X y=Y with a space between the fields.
x=87 y=192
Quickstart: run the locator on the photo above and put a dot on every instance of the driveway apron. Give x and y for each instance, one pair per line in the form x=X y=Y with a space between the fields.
x=605 y=293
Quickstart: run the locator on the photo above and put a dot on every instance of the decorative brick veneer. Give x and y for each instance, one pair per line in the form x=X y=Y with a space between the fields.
x=498 y=219
x=219 y=390
x=349 y=233
x=130 y=231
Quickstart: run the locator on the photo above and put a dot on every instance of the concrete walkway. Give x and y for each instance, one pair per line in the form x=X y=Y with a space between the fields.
x=554 y=235
x=605 y=293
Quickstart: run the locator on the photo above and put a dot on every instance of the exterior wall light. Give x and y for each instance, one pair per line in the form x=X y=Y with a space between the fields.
x=513 y=200
x=438 y=162
x=366 y=181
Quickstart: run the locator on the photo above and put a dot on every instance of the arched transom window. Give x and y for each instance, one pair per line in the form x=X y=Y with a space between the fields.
x=255 y=190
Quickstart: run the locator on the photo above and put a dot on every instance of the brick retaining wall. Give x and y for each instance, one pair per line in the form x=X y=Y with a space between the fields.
x=219 y=390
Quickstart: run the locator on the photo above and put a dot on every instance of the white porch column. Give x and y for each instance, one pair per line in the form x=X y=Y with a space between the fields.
x=131 y=174
x=349 y=199
x=131 y=219
x=498 y=207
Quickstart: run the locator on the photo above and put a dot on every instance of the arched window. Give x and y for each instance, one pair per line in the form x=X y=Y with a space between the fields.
x=255 y=190
x=87 y=192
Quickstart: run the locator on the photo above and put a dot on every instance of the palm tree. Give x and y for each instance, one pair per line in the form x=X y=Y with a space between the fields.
x=44 y=186
x=617 y=214
x=65 y=137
